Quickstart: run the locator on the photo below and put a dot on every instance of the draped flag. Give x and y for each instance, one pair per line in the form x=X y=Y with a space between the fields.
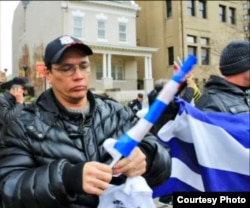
x=210 y=151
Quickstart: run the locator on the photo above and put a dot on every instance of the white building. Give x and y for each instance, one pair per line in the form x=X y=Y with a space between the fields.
x=108 y=27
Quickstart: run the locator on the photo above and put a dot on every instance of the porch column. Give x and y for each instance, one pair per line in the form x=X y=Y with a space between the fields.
x=109 y=66
x=107 y=78
x=104 y=66
x=148 y=80
x=146 y=68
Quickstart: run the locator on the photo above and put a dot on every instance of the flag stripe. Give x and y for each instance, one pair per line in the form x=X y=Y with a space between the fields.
x=155 y=112
x=138 y=131
x=125 y=145
x=229 y=181
x=187 y=149
x=179 y=180
x=194 y=181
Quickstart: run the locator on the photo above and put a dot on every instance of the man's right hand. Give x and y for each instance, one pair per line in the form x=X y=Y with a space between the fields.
x=17 y=92
x=96 y=177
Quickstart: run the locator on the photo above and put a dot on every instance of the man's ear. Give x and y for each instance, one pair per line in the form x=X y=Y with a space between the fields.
x=47 y=74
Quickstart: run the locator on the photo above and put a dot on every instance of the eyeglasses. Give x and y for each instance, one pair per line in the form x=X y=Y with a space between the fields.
x=70 y=69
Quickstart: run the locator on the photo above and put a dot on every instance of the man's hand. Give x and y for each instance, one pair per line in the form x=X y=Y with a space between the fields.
x=134 y=165
x=96 y=177
x=190 y=81
x=17 y=92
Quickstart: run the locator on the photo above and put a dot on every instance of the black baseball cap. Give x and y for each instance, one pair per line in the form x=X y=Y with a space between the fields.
x=22 y=81
x=55 y=48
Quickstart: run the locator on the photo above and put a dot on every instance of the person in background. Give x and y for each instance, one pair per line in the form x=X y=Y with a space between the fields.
x=159 y=84
x=189 y=92
x=53 y=155
x=12 y=101
x=192 y=93
x=229 y=93
x=136 y=104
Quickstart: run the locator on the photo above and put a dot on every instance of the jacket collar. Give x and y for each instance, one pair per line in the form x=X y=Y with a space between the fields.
x=48 y=102
x=9 y=96
x=216 y=82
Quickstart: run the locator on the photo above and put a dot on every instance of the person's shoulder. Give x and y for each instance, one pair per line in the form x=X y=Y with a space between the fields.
x=106 y=101
x=104 y=98
x=131 y=103
x=4 y=94
x=109 y=106
x=6 y=98
x=2 y=97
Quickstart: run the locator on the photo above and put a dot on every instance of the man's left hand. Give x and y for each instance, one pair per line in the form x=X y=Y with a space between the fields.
x=134 y=165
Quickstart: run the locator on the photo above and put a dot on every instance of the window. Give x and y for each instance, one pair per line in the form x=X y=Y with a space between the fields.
x=123 y=32
x=192 y=50
x=101 y=29
x=191 y=39
x=78 y=27
x=245 y=6
x=245 y=17
x=204 y=41
x=246 y=28
x=232 y=15
x=118 y=72
x=170 y=55
x=169 y=8
x=204 y=81
x=191 y=7
x=222 y=13
x=205 y=52
x=202 y=9
x=204 y=56
x=99 y=72
x=78 y=24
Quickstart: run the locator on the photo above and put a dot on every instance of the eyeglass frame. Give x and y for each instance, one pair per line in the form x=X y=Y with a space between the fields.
x=84 y=67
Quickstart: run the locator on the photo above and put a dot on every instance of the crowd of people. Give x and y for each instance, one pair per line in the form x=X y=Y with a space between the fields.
x=51 y=151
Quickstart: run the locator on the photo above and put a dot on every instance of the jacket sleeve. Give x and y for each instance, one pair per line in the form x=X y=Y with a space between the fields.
x=158 y=161
x=188 y=94
x=7 y=112
x=22 y=183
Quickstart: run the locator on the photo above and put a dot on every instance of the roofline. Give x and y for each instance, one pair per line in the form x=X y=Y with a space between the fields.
x=138 y=49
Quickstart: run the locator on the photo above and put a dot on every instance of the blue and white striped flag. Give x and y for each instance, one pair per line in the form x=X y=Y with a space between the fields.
x=210 y=151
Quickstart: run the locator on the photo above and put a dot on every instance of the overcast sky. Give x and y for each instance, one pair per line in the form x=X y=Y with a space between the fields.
x=6 y=12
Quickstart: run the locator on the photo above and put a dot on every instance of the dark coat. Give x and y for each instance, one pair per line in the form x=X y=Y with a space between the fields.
x=221 y=96
x=135 y=105
x=38 y=146
x=9 y=109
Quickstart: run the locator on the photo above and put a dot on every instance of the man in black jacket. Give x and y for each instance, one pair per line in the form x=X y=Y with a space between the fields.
x=136 y=104
x=53 y=156
x=229 y=94
x=12 y=101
